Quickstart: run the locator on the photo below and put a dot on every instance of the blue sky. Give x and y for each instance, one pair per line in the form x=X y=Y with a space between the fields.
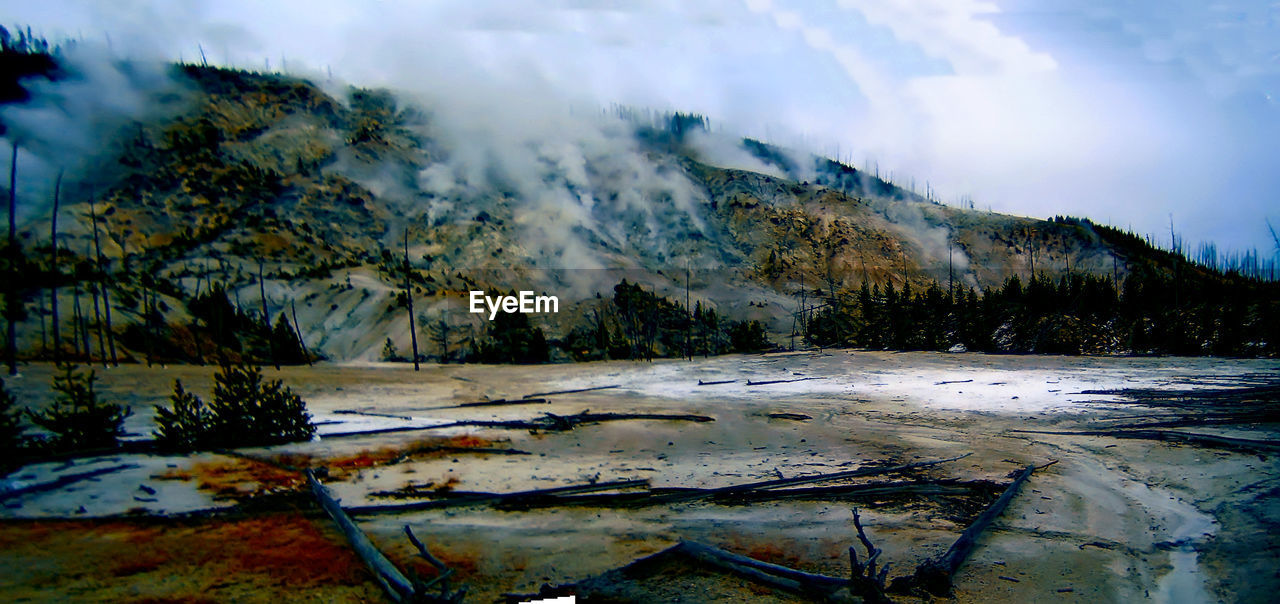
x=1124 y=112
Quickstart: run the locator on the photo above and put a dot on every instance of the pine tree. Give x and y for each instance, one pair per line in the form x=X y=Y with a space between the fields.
x=77 y=419
x=11 y=429
x=185 y=427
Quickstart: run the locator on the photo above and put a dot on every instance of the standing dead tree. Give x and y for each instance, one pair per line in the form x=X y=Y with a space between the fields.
x=102 y=282
x=266 y=318
x=10 y=290
x=53 y=287
x=408 y=296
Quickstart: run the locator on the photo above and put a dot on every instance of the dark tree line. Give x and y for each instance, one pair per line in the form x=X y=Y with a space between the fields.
x=638 y=324
x=1149 y=313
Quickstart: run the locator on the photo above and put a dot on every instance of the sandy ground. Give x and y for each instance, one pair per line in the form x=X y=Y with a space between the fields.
x=1113 y=520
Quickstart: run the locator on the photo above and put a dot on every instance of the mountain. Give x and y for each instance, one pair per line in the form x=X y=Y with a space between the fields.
x=214 y=176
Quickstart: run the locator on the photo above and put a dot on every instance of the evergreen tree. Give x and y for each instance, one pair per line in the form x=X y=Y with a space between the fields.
x=11 y=430
x=77 y=419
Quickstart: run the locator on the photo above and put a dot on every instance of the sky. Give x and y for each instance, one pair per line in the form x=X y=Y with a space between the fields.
x=1134 y=114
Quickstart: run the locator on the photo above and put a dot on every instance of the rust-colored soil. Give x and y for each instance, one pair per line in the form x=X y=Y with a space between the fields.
x=280 y=557
x=237 y=478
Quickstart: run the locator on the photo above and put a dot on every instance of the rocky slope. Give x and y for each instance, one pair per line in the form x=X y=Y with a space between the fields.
x=325 y=192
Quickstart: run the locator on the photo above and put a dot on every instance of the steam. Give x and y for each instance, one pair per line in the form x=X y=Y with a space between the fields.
x=727 y=152
x=934 y=241
x=573 y=182
x=70 y=124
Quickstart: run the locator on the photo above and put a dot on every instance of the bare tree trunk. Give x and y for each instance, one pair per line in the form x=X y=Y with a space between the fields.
x=146 y=322
x=57 y=273
x=97 y=320
x=82 y=328
x=688 y=316
x=297 y=330
x=102 y=283
x=408 y=295
x=44 y=339
x=10 y=290
x=266 y=318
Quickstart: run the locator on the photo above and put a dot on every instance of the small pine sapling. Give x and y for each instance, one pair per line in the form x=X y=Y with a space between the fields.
x=77 y=419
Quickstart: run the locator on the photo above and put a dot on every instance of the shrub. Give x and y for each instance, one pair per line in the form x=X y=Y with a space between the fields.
x=246 y=412
x=77 y=419
x=11 y=429
x=187 y=425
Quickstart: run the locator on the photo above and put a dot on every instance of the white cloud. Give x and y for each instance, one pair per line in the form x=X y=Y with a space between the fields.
x=1079 y=106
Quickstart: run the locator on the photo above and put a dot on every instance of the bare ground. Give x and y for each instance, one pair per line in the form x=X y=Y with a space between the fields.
x=1114 y=520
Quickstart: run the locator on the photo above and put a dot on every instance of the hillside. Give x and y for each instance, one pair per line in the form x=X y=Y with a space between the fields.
x=328 y=193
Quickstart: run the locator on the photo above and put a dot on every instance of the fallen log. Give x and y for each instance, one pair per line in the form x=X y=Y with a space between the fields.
x=772 y=575
x=816 y=587
x=467 y=498
x=763 y=382
x=952 y=382
x=935 y=574
x=394 y=582
x=732 y=491
x=715 y=382
x=377 y=431
x=816 y=478
x=371 y=414
x=1216 y=419
x=551 y=422
x=62 y=481
x=660 y=496
x=574 y=391
x=800 y=417
x=1191 y=438
x=502 y=402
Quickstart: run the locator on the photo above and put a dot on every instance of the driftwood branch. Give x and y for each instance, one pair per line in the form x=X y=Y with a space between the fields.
x=549 y=422
x=574 y=391
x=764 y=382
x=371 y=414
x=864 y=581
x=1191 y=438
x=421 y=587
x=499 y=402
x=800 y=417
x=935 y=574
x=509 y=499
x=394 y=582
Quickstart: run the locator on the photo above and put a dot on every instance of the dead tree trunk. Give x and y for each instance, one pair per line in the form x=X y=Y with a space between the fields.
x=408 y=296
x=397 y=586
x=266 y=319
x=102 y=283
x=53 y=289
x=935 y=575
x=11 y=289
x=297 y=330
x=75 y=318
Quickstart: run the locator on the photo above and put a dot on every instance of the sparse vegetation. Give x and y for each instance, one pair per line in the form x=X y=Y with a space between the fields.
x=246 y=411
x=77 y=420
x=11 y=429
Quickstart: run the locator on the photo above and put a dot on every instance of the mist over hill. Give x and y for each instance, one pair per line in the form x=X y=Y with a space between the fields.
x=223 y=210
